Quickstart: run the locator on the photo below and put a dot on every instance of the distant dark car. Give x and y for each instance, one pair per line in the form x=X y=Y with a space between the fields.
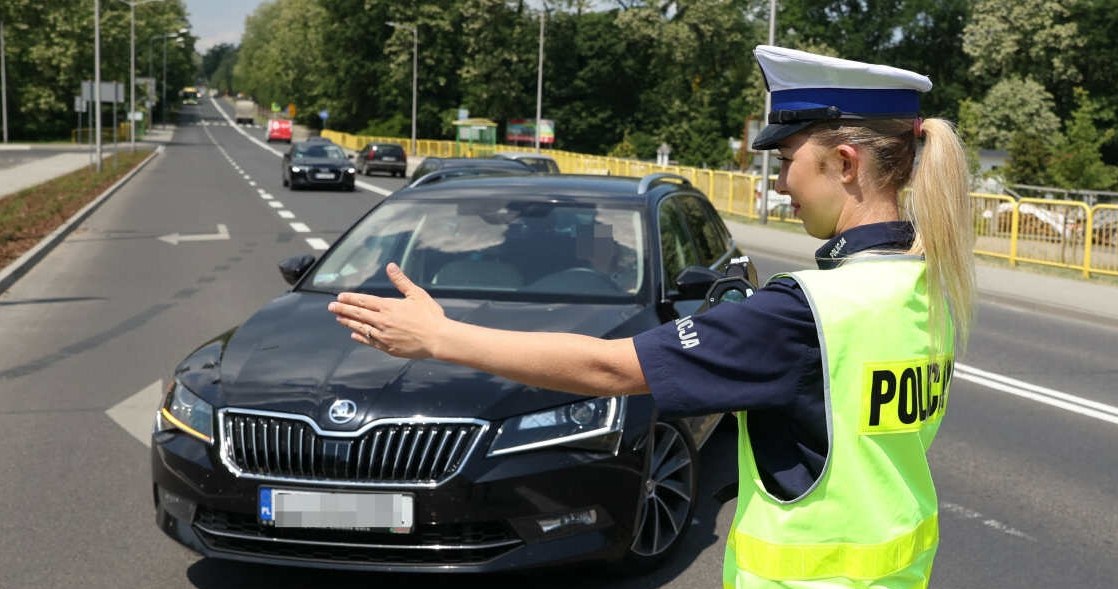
x=382 y=157
x=467 y=166
x=318 y=164
x=283 y=441
x=543 y=164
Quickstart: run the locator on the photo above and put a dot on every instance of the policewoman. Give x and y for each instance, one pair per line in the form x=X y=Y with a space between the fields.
x=839 y=376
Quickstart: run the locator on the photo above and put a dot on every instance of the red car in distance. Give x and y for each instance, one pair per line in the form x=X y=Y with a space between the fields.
x=279 y=130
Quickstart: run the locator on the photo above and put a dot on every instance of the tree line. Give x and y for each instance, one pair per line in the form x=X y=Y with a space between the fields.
x=1035 y=78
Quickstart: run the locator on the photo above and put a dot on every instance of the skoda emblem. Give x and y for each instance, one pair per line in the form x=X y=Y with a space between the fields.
x=343 y=411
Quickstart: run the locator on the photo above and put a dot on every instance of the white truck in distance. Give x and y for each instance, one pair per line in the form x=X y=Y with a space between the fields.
x=245 y=112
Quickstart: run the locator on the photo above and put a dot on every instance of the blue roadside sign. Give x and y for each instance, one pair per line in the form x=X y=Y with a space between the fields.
x=323 y=114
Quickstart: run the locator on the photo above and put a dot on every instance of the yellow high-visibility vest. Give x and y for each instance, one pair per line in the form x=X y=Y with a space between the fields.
x=870 y=520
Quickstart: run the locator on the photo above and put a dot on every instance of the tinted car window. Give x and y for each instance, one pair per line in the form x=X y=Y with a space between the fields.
x=710 y=241
x=494 y=248
x=321 y=150
x=390 y=150
x=676 y=248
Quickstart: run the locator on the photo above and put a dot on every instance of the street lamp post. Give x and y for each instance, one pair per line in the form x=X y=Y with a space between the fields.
x=414 y=72
x=539 y=82
x=4 y=82
x=97 y=78
x=768 y=107
x=132 y=71
x=163 y=101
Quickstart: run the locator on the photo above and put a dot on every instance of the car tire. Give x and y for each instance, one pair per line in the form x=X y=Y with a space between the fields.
x=285 y=182
x=670 y=492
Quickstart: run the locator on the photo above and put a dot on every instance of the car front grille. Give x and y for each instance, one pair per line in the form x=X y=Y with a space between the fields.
x=388 y=452
x=434 y=544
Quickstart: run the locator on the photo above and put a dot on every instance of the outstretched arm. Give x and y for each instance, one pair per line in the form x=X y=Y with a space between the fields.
x=416 y=327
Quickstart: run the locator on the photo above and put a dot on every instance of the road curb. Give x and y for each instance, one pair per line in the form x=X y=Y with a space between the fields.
x=14 y=271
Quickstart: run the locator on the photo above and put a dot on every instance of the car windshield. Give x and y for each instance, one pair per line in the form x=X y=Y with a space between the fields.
x=503 y=249
x=326 y=150
x=390 y=150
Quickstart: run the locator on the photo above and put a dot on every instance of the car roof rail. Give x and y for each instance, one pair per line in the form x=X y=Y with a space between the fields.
x=648 y=181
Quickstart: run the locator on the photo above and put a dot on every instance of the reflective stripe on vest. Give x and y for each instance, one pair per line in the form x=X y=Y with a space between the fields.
x=872 y=514
x=851 y=561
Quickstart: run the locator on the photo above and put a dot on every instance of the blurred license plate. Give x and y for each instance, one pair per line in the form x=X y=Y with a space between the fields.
x=324 y=176
x=389 y=158
x=307 y=509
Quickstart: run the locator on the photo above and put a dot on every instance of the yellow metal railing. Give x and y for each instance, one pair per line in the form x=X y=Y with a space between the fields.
x=1059 y=233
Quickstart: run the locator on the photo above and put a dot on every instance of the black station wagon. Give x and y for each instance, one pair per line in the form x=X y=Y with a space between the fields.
x=284 y=441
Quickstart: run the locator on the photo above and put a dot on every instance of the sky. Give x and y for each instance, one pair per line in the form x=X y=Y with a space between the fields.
x=218 y=21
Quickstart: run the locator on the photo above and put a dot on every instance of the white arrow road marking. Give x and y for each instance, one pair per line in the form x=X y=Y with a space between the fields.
x=136 y=413
x=176 y=238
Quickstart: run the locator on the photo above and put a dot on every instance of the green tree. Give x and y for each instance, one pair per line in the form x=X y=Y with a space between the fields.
x=1024 y=39
x=1030 y=158
x=1012 y=106
x=1078 y=162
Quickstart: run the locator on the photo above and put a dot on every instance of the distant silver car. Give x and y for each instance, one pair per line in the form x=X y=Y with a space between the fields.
x=539 y=163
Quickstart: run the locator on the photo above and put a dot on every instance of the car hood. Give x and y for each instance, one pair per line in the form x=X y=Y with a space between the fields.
x=292 y=356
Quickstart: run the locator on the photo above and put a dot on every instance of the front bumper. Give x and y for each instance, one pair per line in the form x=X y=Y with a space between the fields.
x=322 y=178
x=485 y=519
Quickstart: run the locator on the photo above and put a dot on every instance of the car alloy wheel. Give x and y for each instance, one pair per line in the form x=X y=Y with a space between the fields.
x=669 y=492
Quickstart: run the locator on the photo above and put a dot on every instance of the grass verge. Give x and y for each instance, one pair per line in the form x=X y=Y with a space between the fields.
x=29 y=215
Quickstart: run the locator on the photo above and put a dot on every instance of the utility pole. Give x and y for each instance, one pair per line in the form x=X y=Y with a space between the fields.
x=132 y=69
x=539 y=81
x=97 y=78
x=4 y=81
x=768 y=108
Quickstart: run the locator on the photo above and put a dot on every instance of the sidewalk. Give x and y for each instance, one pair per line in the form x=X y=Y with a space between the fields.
x=1020 y=287
x=72 y=159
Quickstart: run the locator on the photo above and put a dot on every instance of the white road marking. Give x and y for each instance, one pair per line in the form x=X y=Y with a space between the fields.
x=275 y=204
x=300 y=228
x=286 y=214
x=136 y=413
x=1054 y=398
x=176 y=238
x=266 y=196
x=318 y=244
x=993 y=524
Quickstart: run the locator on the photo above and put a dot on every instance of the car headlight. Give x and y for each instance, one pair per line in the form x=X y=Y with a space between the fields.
x=351 y=170
x=594 y=424
x=296 y=169
x=187 y=412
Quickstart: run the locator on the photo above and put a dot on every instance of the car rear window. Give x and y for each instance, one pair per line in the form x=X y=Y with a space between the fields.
x=390 y=150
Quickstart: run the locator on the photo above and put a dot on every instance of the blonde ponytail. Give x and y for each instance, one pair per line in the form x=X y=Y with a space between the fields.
x=939 y=207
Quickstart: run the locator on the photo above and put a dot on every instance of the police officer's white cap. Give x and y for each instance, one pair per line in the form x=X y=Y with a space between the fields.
x=807 y=88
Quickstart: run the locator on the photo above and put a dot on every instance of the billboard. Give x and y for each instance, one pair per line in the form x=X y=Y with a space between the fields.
x=524 y=131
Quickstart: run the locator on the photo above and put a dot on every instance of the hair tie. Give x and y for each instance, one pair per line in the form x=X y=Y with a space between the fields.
x=918 y=127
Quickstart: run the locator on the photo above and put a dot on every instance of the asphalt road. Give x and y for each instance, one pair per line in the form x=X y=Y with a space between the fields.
x=1027 y=490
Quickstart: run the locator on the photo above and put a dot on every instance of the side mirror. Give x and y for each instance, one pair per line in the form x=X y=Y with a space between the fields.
x=693 y=282
x=295 y=267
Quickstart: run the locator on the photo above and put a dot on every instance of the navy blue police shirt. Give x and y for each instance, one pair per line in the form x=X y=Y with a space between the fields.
x=762 y=356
